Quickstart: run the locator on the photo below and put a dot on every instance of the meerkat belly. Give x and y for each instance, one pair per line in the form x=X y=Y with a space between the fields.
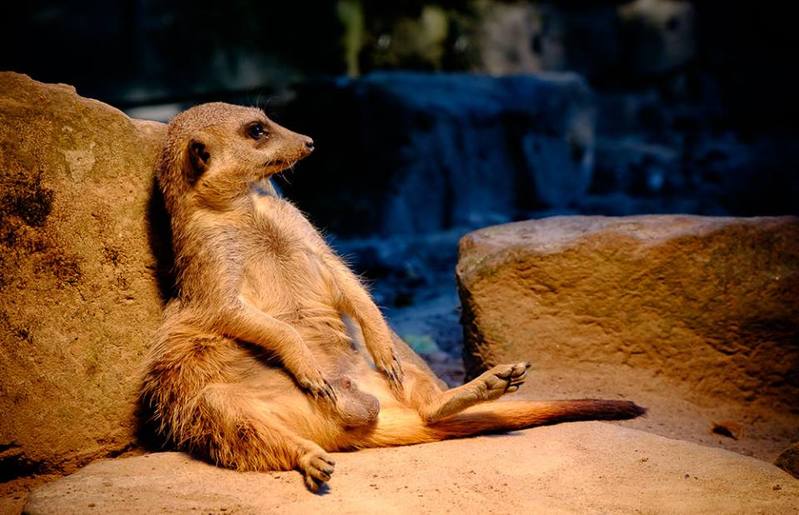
x=287 y=277
x=299 y=289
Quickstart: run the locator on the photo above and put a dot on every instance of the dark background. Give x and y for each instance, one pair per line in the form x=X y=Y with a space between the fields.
x=690 y=75
x=428 y=122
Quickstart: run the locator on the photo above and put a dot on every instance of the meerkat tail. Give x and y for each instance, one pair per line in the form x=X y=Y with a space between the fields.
x=404 y=427
x=512 y=415
x=395 y=427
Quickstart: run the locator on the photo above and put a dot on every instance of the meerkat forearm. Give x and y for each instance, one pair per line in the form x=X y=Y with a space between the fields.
x=356 y=302
x=243 y=321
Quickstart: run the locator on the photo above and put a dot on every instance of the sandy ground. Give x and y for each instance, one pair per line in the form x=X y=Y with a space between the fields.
x=674 y=410
x=757 y=433
x=585 y=467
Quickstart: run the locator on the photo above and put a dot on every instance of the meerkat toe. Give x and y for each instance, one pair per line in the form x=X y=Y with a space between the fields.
x=519 y=374
x=312 y=484
x=501 y=371
x=322 y=475
x=324 y=465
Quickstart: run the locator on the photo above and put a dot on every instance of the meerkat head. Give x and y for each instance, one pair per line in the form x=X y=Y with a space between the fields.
x=215 y=151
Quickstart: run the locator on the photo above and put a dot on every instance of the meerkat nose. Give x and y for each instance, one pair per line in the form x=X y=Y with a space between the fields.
x=309 y=144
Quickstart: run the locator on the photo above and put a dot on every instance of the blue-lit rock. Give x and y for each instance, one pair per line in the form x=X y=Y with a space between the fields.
x=404 y=153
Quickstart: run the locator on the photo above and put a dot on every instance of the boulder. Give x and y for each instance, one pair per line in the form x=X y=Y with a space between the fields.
x=84 y=271
x=712 y=303
x=571 y=468
x=405 y=153
x=79 y=295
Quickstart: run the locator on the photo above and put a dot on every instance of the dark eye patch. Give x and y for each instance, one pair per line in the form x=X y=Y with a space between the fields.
x=256 y=131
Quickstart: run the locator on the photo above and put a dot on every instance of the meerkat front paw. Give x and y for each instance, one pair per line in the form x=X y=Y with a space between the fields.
x=389 y=364
x=317 y=467
x=316 y=385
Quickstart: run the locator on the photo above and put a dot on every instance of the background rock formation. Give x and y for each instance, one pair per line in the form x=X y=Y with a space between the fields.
x=411 y=153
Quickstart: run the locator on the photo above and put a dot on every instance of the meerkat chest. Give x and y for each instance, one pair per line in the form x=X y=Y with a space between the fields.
x=280 y=229
x=287 y=255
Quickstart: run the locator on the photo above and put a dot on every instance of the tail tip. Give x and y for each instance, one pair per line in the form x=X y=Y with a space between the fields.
x=633 y=410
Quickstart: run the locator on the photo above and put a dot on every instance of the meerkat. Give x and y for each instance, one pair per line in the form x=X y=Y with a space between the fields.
x=253 y=367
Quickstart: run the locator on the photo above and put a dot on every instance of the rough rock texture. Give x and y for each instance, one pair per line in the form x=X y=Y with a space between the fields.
x=710 y=302
x=573 y=468
x=408 y=153
x=78 y=294
x=82 y=275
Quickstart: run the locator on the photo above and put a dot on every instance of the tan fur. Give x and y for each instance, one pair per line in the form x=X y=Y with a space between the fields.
x=253 y=367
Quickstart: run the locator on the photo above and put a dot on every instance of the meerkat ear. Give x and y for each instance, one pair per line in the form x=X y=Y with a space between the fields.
x=199 y=157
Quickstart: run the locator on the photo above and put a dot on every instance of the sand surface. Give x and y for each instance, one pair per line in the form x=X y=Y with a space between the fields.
x=565 y=467
x=586 y=467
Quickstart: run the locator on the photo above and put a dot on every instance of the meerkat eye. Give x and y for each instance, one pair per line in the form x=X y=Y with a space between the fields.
x=256 y=131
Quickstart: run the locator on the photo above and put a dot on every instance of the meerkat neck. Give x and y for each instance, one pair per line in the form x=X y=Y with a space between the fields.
x=264 y=187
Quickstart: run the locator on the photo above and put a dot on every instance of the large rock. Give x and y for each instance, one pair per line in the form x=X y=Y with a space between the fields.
x=573 y=468
x=709 y=302
x=79 y=298
x=408 y=153
x=84 y=262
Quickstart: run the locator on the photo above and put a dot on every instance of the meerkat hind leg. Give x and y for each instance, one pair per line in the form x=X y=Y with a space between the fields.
x=246 y=437
x=488 y=386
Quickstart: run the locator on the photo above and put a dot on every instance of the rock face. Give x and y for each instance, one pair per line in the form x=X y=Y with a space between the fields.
x=409 y=153
x=712 y=302
x=572 y=468
x=84 y=261
x=79 y=298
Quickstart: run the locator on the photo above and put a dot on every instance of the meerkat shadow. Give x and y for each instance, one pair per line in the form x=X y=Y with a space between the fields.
x=159 y=239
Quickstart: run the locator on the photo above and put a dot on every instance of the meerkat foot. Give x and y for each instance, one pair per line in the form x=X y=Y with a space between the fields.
x=501 y=379
x=488 y=386
x=395 y=375
x=317 y=467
